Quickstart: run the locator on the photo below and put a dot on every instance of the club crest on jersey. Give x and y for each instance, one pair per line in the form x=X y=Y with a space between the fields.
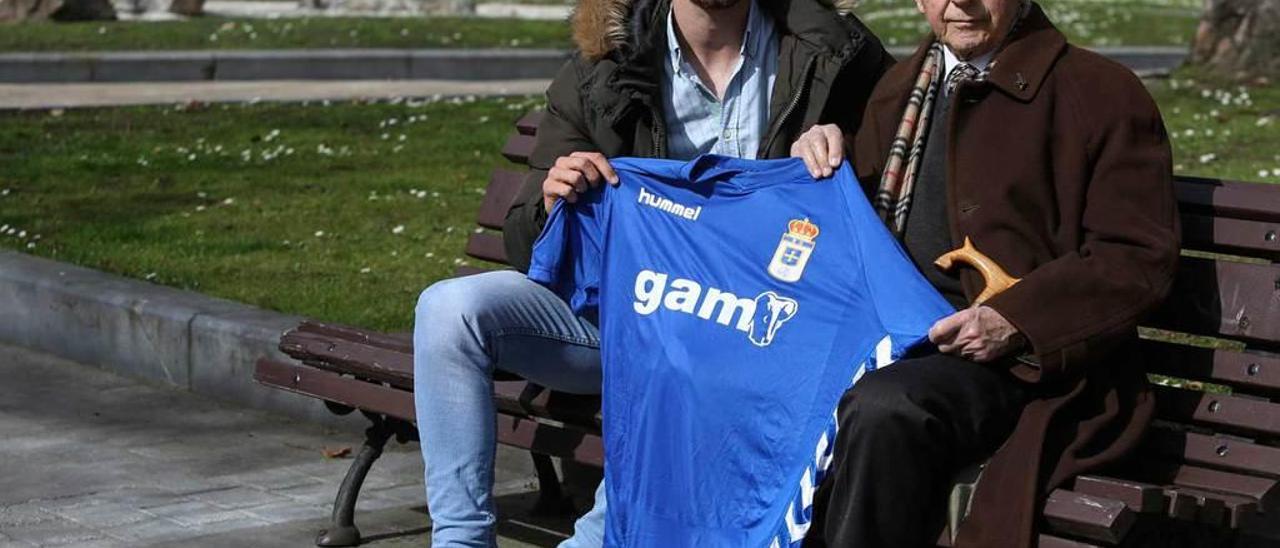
x=794 y=250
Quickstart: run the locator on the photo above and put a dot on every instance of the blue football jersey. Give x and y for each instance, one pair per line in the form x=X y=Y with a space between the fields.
x=737 y=301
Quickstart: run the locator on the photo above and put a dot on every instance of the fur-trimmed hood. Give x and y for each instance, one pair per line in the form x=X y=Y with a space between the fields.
x=602 y=26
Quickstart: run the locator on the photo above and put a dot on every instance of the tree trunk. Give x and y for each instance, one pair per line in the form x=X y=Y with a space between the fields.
x=1239 y=39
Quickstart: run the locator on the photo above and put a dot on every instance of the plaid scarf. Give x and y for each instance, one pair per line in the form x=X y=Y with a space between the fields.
x=893 y=198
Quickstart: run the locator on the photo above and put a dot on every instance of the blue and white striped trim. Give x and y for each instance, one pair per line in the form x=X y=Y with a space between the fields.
x=800 y=511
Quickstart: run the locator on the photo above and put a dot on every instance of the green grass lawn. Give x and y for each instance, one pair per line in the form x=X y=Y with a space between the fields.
x=215 y=33
x=1087 y=22
x=342 y=212
x=345 y=212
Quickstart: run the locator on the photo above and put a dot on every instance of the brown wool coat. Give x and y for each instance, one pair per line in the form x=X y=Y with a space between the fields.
x=1058 y=167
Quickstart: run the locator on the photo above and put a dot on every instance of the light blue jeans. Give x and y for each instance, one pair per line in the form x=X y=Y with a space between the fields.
x=464 y=328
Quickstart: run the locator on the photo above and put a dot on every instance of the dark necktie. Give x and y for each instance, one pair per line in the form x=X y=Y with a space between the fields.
x=963 y=72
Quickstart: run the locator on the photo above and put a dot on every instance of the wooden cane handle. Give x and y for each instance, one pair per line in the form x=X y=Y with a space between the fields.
x=995 y=278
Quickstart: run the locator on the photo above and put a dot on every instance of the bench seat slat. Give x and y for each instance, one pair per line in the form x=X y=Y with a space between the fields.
x=1088 y=516
x=333 y=387
x=1049 y=541
x=1263 y=490
x=1140 y=497
x=1240 y=370
x=528 y=434
x=580 y=412
x=343 y=356
x=504 y=184
x=1225 y=509
x=390 y=341
x=1220 y=410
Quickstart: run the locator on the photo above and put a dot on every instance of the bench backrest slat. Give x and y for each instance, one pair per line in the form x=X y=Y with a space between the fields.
x=487 y=246
x=1260 y=239
x=504 y=185
x=518 y=148
x=1244 y=371
x=1224 y=299
x=1230 y=199
x=528 y=124
x=1214 y=451
x=1225 y=411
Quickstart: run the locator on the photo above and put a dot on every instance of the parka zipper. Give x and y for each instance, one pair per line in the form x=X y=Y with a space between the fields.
x=795 y=101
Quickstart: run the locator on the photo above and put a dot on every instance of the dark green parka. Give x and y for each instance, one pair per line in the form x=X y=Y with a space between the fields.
x=606 y=98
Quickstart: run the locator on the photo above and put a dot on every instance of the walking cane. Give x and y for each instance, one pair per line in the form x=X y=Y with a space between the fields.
x=994 y=277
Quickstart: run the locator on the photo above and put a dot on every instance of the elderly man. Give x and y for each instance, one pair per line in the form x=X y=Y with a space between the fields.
x=1054 y=161
x=657 y=78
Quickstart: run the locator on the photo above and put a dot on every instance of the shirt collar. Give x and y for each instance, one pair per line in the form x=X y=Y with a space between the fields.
x=750 y=37
x=950 y=60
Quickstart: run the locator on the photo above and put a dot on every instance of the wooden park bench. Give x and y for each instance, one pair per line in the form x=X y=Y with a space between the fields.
x=1208 y=473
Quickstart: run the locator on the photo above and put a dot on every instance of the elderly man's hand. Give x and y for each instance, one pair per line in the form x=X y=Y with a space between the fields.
x=822 y=148
x=977 y=333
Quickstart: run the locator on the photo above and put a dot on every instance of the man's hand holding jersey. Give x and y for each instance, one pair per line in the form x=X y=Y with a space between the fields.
x=977 y=333
x=574 y=174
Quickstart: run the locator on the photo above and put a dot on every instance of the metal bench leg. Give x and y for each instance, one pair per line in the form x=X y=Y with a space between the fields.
x=551 y=498
x=342 y=530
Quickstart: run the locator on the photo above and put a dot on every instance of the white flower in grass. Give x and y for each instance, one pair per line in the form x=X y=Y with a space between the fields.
x=4 y=229
x=200 y=208
x=429 y=255
x=402 y=137
x=319 y=233
x=22 y=234
x=397 y=148
x=399 y=229
x=229 y=201
x=1263 y=121
x=483 y=119
x=4 y=192
x=366 y=270
x=1262 y=173
x=150 y=276
x=385 y=136
x=31 y=245
x=1206 y=158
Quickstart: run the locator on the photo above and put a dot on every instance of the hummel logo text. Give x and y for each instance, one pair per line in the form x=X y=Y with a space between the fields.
x=658 y=202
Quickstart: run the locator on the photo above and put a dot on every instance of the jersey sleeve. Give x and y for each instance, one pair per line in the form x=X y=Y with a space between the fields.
x=906 y=303
x=568 y=255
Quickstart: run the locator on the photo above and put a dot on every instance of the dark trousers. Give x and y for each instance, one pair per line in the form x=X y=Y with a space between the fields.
x=904 y=431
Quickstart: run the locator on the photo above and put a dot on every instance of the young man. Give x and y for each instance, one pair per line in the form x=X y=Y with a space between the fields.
x=655 y=78
x=1054 y=161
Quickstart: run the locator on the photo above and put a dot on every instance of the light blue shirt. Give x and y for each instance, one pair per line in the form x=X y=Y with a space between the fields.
x=697 y=122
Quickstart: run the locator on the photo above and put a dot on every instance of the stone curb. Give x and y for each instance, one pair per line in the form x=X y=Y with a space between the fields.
x=167 y=336
x=303 y=64
x=366 y=64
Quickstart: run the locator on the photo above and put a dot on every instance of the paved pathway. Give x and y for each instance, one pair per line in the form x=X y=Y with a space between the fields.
x=92 y=459
x=18 y=96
